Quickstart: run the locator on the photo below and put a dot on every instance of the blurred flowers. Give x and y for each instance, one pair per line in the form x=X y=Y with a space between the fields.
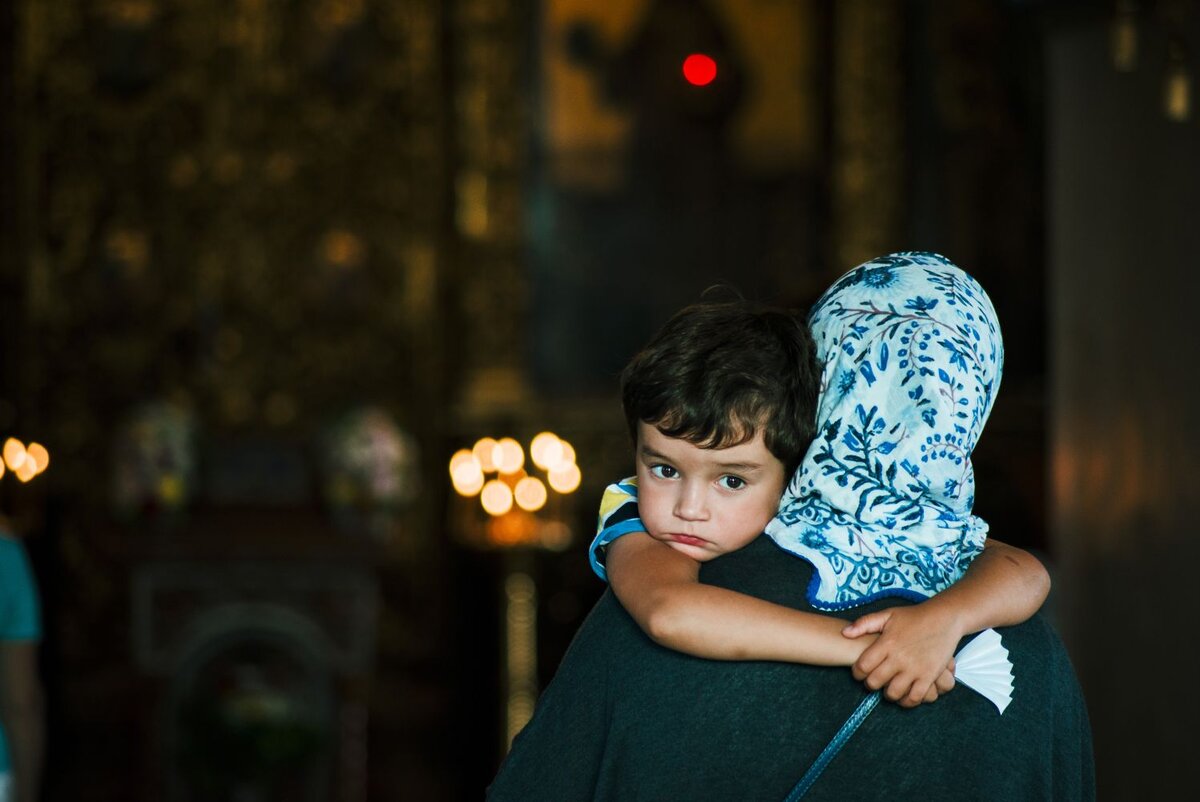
x=154 y=460
x=370 y=468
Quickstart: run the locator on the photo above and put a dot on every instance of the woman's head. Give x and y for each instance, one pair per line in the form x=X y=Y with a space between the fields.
x=911 y=358
x=915 y=338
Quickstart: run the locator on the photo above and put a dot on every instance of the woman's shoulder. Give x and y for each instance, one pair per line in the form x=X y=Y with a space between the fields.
x=762 y=569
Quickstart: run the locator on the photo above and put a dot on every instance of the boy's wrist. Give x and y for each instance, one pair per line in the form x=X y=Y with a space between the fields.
x=852 y=648
x=952 y=616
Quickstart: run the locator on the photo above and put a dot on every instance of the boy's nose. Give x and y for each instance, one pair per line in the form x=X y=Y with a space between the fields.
x=691 y=504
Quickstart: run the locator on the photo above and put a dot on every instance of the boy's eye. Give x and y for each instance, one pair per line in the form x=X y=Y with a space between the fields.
x=663 y=471
x=732 y=482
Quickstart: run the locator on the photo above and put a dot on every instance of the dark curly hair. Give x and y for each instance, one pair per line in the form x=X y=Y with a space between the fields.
x=717 y=373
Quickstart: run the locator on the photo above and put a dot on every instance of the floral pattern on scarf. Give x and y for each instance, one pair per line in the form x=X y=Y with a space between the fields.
x=881 y=505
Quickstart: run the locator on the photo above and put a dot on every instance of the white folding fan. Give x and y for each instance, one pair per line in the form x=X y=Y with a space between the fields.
x=983 y=666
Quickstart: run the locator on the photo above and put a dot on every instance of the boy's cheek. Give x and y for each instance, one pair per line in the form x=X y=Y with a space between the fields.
x=651 y=520
x=650 y=506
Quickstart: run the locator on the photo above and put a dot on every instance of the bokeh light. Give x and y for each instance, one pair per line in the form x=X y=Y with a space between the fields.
x=468 y=479
x=14 y=453
x=461 y=456
x=545 y=450
x=496 y=497
x=26 y=471
x=565 y=457
x=484 y=451
x=495 y=470
x=565 y=479
x=39 y=455
x=699 y=69
x=530 y=494
x=508 y=455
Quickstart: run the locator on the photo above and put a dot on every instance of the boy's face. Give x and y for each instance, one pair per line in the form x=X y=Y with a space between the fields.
x=705 y=502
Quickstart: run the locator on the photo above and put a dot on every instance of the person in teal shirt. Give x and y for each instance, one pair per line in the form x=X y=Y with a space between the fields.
x=21 y=706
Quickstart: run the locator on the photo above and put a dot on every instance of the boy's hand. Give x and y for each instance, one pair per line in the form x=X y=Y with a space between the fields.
x=913 y=656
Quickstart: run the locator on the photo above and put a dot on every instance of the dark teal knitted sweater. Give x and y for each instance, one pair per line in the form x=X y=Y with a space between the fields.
x=625 y=719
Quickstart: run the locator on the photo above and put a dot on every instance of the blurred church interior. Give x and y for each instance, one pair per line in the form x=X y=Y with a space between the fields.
x=274 y=272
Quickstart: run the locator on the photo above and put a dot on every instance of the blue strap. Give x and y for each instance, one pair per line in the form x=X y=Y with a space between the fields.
x=835 y=746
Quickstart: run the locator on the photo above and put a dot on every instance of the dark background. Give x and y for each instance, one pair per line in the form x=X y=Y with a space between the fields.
x=267 y=216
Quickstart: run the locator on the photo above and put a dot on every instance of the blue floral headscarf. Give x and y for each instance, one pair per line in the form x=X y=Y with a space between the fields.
x=881 y=504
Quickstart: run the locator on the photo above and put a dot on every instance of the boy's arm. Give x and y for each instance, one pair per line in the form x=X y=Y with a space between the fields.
x=1003 y=586
x=660 y=588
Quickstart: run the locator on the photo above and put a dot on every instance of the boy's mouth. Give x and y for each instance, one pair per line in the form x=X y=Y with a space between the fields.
x=688 y=540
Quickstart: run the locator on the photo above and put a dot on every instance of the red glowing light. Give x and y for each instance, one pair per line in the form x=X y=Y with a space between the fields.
x=699 y=69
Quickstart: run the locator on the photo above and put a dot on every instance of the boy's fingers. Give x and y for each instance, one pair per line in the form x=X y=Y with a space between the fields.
x=945 y=682
x=865 y=625
x=895 y=683
x=878 y=679
x=898 y=691
x=868 y=663
x=917 y=693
